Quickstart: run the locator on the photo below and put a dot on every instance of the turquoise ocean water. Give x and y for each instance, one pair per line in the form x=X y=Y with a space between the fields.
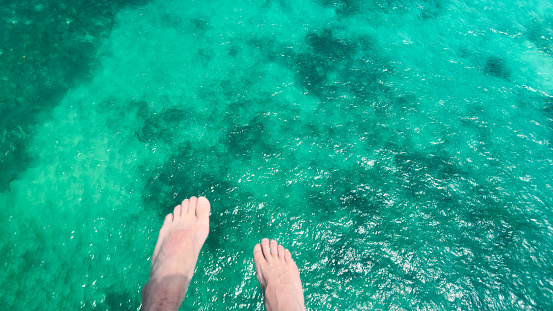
x=402 y=150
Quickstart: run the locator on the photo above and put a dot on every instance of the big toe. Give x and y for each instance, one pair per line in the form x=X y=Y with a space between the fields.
x=202 y=209
x=259 y=261
x=258 y=254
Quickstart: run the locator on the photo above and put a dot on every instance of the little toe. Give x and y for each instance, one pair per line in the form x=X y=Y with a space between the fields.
x=288 y=256
x=168 y=220
x=202 y=209
x=274 y=249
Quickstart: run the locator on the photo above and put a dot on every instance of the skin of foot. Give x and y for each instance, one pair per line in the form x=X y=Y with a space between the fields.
x=278 y=276
x=177 y=249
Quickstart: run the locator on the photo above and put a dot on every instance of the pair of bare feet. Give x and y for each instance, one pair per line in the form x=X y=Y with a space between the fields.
x=177 y=249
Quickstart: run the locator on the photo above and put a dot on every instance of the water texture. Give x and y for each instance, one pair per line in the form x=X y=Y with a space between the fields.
x=402 y=150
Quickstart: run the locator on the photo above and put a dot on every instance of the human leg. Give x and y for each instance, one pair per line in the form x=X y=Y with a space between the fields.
x=177 y=249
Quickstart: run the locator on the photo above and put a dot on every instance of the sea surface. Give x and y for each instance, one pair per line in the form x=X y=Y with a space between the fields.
x=401 y=149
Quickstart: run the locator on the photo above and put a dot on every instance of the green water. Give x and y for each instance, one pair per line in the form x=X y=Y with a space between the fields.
x=402 y=150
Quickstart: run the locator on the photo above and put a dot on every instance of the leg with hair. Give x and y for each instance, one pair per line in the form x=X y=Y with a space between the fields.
x=177 y=249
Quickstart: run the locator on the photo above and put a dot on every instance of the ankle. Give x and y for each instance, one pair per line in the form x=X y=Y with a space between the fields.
x=166 y=293
x=281 y=297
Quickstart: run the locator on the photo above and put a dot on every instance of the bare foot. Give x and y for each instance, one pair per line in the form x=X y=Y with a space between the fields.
x=278 y=277
x=179 y=243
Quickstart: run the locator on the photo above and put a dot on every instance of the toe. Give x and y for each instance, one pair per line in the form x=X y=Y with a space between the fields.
x=274 y=249
x=202 y=210
x=258 y=253
x=177 y=211
x=281 y=252
x=288 y=256
x=259 y=260
x=266 y=249
x=168 y=220
x=193 y=202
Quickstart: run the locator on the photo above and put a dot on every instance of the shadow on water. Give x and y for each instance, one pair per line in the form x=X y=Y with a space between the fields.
x=540 y=32
x=331 y=66
x=119 y=301
x=250 y=139
x=334 y=66
x=496 y=67
x=46 y=49
x=420 y=173
x=343 y=7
